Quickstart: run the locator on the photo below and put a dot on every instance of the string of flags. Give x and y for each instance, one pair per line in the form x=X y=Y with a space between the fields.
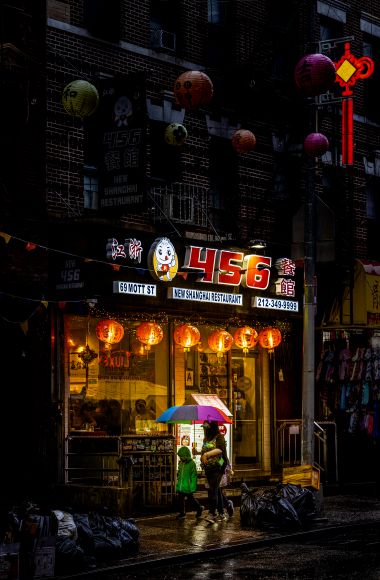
x=31 y=246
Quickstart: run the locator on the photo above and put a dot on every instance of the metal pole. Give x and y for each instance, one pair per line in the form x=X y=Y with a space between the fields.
x=307 y=444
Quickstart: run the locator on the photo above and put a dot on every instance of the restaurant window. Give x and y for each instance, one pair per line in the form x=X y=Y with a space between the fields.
x=117 y=389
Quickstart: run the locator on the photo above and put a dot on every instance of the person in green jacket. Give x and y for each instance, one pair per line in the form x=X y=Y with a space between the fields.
x=187 y=481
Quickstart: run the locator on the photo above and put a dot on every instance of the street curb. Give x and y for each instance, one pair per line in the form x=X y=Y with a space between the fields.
x=217 y=552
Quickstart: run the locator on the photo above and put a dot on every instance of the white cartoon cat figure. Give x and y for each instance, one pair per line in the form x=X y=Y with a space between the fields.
x=164 y=259
x=122 y=110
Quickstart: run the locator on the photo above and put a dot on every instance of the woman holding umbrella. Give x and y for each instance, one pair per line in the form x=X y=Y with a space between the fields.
x=214 y=461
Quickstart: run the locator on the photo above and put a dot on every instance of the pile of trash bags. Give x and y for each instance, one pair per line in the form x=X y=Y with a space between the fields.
x=66 y=541
x=286 y=505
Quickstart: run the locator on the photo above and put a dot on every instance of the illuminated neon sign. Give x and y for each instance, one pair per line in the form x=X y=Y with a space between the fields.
x=349 y=70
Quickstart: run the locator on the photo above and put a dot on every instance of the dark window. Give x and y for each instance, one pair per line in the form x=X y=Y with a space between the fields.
x=165 y=160
x=371 y=86
x=223 y=201
x=331 y=30
x=164 y=25
x=90 y=187
x=373 y=217
x=102 y=18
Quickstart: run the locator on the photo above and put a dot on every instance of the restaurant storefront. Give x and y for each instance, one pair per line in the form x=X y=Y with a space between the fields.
x=167 y=325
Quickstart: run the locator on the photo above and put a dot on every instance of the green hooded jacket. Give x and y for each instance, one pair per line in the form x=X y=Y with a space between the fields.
x=187 y=477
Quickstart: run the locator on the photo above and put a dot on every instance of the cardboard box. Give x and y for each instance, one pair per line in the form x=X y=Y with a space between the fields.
x=9 y=561
x=304 y=475
x=44 y=558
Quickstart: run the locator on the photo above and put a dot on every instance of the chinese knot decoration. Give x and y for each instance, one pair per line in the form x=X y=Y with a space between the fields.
x=193 y=89
x=269 y=338
x=150 y=334
x=243 y=141
x=187 y=336
x=349 y=69
x=87 y=355
x=80 y=98
x=246 y=338
x=109 y=331
x=220 y=341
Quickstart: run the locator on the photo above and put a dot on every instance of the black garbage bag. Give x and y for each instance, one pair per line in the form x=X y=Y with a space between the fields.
x=85 y=533
x=301 y=498
x=274 y=507
x=69 y=556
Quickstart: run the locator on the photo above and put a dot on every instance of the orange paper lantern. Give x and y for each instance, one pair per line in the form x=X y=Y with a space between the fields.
x=243 y=141
x=269 y=338
x=193 y=89
x=246 y=338
x=220 y=341
x=109 y=331
x=150 y=334
x=187 y=336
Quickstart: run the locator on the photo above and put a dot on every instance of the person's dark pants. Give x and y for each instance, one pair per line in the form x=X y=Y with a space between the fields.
x=214 y=494
x=192 y=503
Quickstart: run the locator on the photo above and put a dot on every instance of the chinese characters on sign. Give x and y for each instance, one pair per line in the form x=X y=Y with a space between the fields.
x=285 y=286
x=131 y=248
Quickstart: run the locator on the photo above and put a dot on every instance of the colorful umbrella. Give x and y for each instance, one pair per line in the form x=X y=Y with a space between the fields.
x=193 y=414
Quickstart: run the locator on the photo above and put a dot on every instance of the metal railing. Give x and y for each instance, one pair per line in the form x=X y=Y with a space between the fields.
x=288 y=447
x=181 y=203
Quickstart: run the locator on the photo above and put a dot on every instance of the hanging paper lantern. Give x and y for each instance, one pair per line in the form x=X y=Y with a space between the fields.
x=193 y=89
x=175 y=134
x=109 y=331
x=187 y=336
x=80 y=98
x=316 y=144
x=220 y=341
x=315 y=74
x=269 y=338
x=246 y=338
x=243 y=141
x=150 y=334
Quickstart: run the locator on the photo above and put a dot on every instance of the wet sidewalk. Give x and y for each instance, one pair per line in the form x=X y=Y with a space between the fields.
x=166 y=540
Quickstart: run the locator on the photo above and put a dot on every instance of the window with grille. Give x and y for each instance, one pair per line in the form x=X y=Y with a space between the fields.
x=90 y=189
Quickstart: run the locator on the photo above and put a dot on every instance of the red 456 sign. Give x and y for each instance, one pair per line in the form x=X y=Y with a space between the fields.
x=228 y=267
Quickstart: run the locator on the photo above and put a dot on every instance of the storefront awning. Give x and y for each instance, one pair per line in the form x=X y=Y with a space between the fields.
x=365 y=297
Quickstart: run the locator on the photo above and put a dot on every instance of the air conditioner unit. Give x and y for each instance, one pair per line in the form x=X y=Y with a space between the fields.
x=164 y=40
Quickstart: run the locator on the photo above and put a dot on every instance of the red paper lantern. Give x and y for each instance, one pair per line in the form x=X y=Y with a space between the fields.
x=109 y=331
x=187 y=336
x=269 y=338
x=243 y=141
x=193 y=89
x=316 y=144
x=220 y=341
x=246 y=338
x=150 y=334
x=315 y=74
